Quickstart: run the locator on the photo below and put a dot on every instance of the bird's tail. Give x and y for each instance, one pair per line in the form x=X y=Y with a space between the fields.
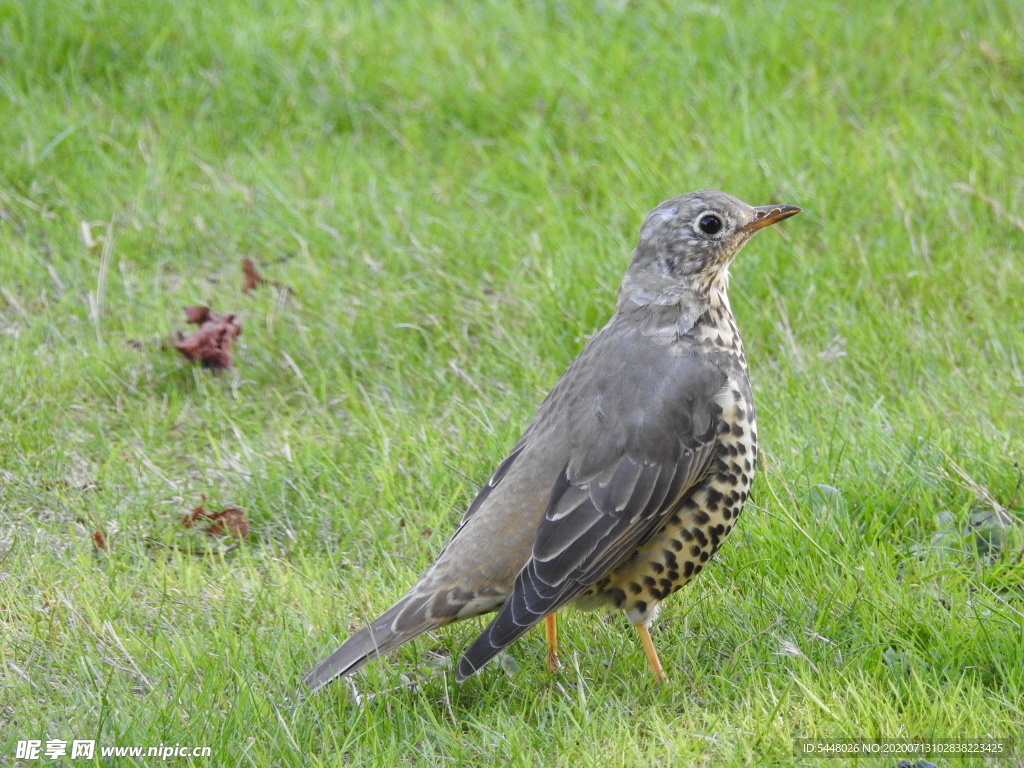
x=380 y=637
x=530 y=602
x=498 y=635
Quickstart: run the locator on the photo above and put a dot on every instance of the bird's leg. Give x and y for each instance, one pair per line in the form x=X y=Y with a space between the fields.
x=551 y=631
x=652 y=654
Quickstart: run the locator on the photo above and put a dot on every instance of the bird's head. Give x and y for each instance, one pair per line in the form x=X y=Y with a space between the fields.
x=687 y=243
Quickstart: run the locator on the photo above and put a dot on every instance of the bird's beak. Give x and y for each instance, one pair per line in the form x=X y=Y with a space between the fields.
x=766 y=215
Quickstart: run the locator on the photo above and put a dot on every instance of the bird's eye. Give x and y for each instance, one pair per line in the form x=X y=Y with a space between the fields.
x=709 y=224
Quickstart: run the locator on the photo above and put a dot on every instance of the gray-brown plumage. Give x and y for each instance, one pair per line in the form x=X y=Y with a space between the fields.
x=633 y=470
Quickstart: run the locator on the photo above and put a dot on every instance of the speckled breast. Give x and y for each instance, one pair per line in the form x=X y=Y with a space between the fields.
x=704 y=518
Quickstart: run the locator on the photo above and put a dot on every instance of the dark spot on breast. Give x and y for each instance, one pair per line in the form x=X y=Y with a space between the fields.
x=635 y=588
x=686 y=534
x=697 y=569
x=701 y=518
x=665 y=583
x=641 y=606
x=737 y=430
x=657 y=567
x=746 y=465
x=688 y=568
x=649 y=581
x=617 y=596
x=695 y=550
x=726 y=513
x=676 y=544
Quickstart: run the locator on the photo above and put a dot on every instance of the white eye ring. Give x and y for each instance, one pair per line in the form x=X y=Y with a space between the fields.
x=708 y=224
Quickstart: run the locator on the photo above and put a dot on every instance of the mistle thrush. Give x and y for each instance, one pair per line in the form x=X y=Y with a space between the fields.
x=632 y=472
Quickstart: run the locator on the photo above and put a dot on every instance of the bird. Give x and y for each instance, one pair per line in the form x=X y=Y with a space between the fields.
x=632 y=472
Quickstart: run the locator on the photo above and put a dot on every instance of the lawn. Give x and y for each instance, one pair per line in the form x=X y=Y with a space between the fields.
x=442 y=198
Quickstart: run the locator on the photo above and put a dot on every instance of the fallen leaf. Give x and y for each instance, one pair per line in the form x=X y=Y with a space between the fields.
x=231 y=521
x=99 y=540
x=211 y=344
x=826 y=499
x=252 y=278
x=196 y=315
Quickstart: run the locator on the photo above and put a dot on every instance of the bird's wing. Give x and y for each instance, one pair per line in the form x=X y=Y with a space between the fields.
x=649 y=439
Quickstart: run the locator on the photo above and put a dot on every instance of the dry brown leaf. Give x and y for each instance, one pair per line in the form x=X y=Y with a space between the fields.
x=210 y=345
x=231 y=521
x=252 y=278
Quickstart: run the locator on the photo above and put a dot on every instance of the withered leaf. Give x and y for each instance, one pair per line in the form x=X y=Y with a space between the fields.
x=252 y=278
x=231 y=521
x=196 y=315
x=210 y=345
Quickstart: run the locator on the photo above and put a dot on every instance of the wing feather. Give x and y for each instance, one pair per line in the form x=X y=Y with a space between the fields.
x=637 y=428
x=574 y=550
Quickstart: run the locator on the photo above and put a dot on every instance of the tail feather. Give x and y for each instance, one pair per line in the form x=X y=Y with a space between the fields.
x=527 y=606
x=379 y=638
x=498 y=635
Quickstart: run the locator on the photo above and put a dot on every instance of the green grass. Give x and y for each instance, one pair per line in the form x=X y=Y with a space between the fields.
x=452 y=191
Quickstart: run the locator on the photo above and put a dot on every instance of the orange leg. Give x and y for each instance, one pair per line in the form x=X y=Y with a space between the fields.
x=552 y=634
x=652 y=654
